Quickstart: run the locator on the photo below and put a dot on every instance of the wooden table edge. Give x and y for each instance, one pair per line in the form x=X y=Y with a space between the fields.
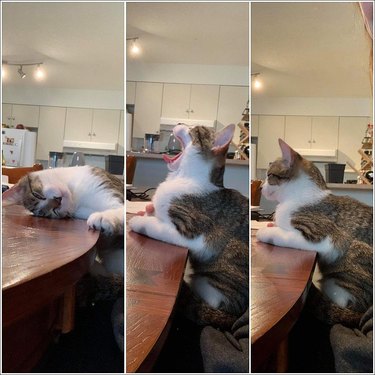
x=273 y=337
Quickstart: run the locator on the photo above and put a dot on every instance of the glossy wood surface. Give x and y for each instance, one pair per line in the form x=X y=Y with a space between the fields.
x=280 y=279
x=154 y=272
x=42 y=260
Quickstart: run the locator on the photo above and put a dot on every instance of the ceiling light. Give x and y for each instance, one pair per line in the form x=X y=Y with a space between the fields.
x=39 y=74
x=21 y=72
x=134 y=47
x=257 y=83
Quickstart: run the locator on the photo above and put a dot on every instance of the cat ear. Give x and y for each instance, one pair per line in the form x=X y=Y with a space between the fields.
x=13 y=195
x=223 y=138
x=288 y=154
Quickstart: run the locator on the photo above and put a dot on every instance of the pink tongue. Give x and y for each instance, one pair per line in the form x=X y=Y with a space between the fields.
x=169 y=159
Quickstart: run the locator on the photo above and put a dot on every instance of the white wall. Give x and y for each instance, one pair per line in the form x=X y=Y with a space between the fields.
x=64 y=97
x=188 y=73
x=312 y=106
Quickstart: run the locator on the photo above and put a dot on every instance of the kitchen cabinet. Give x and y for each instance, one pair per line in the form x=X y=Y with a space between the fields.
x=120 y=141
x=232 y=102
x=254 y=125
x=130 y=92
x=50 y=131
x=147 y=111
x=196 y=102
x=14 y=114
x=271 y=128
x=92 y=128
x=351 y=132
x=312 y=132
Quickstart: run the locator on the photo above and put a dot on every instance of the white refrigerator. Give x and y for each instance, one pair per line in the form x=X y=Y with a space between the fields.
x=18 y=147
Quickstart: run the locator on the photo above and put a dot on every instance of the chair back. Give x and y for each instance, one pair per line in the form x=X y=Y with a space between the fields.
x=15 y=173
x=131 y=162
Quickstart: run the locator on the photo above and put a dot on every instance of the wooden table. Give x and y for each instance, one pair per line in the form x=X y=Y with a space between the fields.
x=280 y=279
x=42 y=260
x=154 y=271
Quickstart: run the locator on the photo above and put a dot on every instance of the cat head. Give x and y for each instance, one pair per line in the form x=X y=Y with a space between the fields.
x=203 y=151
x=41 y=200
x=291 y=174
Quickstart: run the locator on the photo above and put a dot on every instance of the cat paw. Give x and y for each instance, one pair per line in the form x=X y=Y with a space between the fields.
x=137 y=224
x=105 y=223
x=265 y=235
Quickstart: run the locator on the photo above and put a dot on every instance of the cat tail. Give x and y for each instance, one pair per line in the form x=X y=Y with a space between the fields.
x=197 y=310
x=328 y=312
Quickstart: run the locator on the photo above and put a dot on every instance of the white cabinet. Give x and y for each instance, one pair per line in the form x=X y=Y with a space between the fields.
x=50 y=131
x=312 y=133
x=196 y=102
x=130 y=92
x=14 y=114
x=271 y=128
x=147 y=110
x=254 y=125
x=92 y=128
x=232 y=102
x=351 y=133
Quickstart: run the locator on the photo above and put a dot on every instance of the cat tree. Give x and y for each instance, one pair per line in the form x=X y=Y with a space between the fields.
x=244 y=134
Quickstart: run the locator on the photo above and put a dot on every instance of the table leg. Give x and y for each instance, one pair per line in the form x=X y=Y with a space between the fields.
x=68 y=309
x=282 y=356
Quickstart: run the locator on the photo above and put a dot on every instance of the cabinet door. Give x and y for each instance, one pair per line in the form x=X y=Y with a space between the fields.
x=271 y=128
x=232 y=102
x=351 y=133
x=298 y=131
x=105 y=125
x=204 y=100
x=130 y=92
x=324 y=132
x=6 y=114
x=27 y=115
x=176 y=98
x=254 y=126
x=147 y=109
x=50 y=131
x=120 y=142
x=78 y=124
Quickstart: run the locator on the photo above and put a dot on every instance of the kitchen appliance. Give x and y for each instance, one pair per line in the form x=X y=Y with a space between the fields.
x=19 y=147
x=174 y=146
x=151 y=143
x=56 y=159
x=78 y=159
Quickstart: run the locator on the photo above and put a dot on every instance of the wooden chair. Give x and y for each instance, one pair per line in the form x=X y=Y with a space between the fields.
x=131 y=162
x=15 y=173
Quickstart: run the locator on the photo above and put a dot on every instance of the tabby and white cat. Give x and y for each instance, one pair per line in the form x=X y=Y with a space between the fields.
x=193 y=209
x=339 y=229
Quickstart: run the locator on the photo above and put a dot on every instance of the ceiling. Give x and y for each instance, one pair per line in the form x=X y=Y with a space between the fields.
x=81 y=44
x=313 y=49
x=190 y=33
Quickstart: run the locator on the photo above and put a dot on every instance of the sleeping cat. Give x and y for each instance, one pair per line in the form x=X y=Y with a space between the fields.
x=84 y=193
x=339 y=229
x=193 y=209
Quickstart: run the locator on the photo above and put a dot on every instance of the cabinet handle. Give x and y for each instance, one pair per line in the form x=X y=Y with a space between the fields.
x=314 y=141
x=191 y=111
x=89 y=134
x=187 y=111
x=94 y=134
x=309 y=141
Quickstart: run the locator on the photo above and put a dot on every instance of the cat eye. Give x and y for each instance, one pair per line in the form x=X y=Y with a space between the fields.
x=34 y=193
x=277 y=176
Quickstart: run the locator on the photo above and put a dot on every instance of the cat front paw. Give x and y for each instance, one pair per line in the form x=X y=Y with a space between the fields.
x=265 y=235
x=137 y=224
x=105 y=222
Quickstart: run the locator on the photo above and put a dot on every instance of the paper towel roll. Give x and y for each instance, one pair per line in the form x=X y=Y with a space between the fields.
x=28 y=155
x=129 y=125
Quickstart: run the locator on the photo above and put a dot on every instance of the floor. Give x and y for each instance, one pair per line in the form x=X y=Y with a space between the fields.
x=89 y=348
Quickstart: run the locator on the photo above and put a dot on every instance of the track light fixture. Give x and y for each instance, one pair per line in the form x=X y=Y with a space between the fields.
x=257 y=83
x=39 y=74
x=134 y=48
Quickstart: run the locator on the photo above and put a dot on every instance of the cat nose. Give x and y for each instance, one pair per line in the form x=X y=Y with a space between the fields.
x=58 y=200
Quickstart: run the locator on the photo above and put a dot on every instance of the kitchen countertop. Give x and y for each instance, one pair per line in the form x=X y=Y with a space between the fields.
x=349 y=186
x=145 y=155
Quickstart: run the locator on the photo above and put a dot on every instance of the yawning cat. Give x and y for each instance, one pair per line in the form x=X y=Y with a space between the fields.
x=339 y=229
x=193 y=209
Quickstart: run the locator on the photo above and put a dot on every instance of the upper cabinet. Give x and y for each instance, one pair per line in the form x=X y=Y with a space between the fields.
x=130 y=92
x=14 y=114
x=197 y=102
x=232 y=102
x=148 y=102
x=92 y=128
x=50 y=131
